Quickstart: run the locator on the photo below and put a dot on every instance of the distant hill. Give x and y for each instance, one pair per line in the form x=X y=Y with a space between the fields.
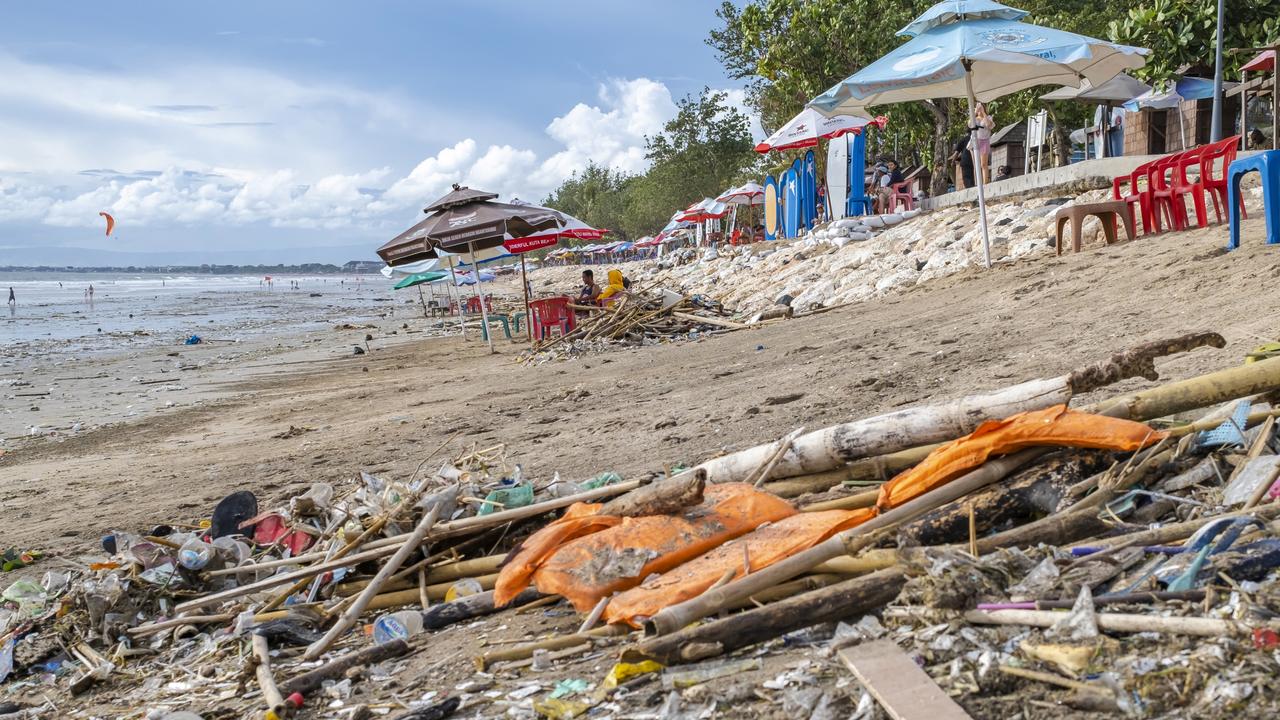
x=86 y=257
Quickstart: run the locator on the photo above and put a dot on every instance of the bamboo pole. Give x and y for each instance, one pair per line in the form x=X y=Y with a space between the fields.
x=1122 y=622
x=371 y=655
x=559 y=642
x=353 y=612
x=270 y=693
x=440 y=574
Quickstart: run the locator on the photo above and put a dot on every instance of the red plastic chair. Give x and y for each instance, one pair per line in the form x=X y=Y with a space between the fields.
x=1161 y=192
x=548 y=313
x=901 y=192
x=1216 y=185
x=1180 y=187
x=1136 y=194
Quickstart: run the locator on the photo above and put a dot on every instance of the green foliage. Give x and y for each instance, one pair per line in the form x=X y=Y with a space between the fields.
x=703 y=150
x=1182 y=32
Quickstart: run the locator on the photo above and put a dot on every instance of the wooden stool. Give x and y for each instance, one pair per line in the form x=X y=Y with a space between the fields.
x=1107 y=212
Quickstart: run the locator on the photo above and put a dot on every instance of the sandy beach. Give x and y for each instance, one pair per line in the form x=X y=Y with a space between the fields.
x=212 y=423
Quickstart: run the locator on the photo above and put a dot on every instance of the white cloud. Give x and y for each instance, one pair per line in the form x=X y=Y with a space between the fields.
x=236 y=146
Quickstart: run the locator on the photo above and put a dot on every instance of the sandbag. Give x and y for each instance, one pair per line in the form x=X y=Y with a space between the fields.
x=617 y=558
x=764 y=547
x=524 y=559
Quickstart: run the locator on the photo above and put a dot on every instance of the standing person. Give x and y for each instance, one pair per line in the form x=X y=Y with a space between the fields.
x=13 y=299
x=963 y=160
x=90 y=292
x=985 y=124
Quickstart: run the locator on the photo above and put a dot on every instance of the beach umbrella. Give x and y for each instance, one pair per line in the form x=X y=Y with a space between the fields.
x=1184 y=88
x=706 y=209
x=810 y=126
x=1118 y=89
x=980 y=51
x=418 y=280
x=571 y=228
x=468 y=220
x=748 y=194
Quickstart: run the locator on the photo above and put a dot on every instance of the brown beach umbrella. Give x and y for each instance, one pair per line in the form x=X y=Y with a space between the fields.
x=468 y=221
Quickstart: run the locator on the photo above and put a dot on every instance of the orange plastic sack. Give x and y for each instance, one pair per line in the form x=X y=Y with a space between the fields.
x=517 y=570
x=1052 y=426
x=765 y=546
x=590 y=567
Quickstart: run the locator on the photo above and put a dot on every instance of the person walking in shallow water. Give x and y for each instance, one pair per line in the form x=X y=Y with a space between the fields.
x=13 y=299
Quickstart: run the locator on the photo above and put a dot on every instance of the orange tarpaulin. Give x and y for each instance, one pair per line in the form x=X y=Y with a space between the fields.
x=1055 y=426
x=586 y=557
x=764 y=547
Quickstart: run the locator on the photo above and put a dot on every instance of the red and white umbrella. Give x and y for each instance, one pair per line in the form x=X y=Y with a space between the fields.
x=809 y=126
x=706 y=209
x=749 y=194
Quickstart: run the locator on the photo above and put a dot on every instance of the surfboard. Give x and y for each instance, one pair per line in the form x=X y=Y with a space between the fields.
x=791 y=203
x=837 y=177
x=770 y=208
x=809 y=202
x=857 y=203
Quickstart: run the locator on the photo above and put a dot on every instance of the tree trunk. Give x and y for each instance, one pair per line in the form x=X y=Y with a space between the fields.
x=847 y=599
x=941 y=148
x=1060 y=142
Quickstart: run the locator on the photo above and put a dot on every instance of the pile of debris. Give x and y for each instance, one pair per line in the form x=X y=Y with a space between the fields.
x=998 y=555
x=646 y=318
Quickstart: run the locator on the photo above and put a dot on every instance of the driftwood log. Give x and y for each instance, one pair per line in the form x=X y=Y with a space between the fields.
x=842 y=600
x=471 y=606
x=832 y=447
x=371 y=655
x=661 y=497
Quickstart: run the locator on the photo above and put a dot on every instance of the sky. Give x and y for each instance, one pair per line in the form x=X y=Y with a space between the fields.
x=241 y=126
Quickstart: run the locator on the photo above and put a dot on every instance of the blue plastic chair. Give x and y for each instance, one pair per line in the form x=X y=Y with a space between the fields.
x=1268 y=165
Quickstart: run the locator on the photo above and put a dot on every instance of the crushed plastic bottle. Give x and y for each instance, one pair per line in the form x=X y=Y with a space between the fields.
x=397 y=626
x=463 y=588
x=195 y=554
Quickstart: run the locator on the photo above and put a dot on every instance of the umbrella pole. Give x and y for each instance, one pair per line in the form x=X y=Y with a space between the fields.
x=457 y=291
x=484 y=312
x=528 y=315
x=1182 y=126
x=977 y=163
x=422 y=300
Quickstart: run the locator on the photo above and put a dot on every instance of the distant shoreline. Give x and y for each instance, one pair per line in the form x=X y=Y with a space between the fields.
x=361 y=268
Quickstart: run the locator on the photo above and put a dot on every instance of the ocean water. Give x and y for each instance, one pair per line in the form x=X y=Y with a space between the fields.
x=54 y=313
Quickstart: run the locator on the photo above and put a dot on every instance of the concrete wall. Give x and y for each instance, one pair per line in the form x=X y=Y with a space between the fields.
x=1072 y=179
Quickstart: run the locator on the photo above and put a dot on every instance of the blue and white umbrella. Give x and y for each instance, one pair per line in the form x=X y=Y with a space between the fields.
x=977 y=49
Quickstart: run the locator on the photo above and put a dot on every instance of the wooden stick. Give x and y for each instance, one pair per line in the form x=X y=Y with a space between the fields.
x=270 y=693
x=371 y=655
x=594 y=616
x=353 y=612
x=718 y=322
x=155 y=627
x=520 y=652
x=864 y=499
x=767 y=468
x=973 y=532
x=842 y=600
x=1054 y=680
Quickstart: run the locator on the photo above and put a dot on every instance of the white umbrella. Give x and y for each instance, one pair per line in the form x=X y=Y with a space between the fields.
x=976 y=49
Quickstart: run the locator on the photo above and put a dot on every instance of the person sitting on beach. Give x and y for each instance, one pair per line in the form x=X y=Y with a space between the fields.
x=887 y=175
x=590 y=291
x=617 y=287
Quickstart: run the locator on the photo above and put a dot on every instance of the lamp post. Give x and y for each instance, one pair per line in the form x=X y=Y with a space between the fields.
x=1215 y=125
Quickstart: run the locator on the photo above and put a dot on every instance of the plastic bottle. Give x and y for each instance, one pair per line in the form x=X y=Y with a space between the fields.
x=195 y=554
x=397 y=626
x=463 y=588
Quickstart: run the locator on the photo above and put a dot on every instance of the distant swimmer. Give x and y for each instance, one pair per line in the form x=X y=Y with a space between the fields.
x=13 y=299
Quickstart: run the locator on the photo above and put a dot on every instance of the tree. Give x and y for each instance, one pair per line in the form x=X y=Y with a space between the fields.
x=1182 y=32
x=596 y=196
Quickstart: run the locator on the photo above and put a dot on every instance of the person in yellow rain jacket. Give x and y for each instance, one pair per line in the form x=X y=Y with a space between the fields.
x=617 y=285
